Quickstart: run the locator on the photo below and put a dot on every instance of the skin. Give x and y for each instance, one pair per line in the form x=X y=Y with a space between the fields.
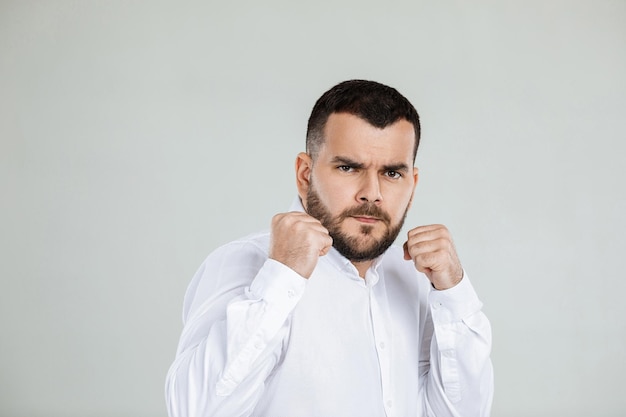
x=362 y=164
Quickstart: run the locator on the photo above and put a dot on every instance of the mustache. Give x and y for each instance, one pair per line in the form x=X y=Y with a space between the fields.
x=369 y=210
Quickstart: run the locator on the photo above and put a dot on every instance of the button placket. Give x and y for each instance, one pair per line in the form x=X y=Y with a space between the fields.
x=381 y=337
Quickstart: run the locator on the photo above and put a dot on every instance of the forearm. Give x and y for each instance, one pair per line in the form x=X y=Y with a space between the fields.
x=194 y=380
x=460 y=380
x=224 y=358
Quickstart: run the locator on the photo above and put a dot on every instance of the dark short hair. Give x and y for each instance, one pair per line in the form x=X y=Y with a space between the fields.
x=376 y=103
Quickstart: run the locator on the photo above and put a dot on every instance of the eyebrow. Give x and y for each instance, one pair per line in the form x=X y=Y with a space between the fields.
x=347 y=161
x=400 y=166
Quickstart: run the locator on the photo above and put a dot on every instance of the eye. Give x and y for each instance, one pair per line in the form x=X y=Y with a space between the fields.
x=393 y=174
x=345 y=168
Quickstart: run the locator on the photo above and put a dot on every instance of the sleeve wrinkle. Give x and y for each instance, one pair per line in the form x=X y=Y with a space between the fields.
x=233 y=333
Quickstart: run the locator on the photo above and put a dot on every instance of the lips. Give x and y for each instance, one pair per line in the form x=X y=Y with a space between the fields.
x=366 y=219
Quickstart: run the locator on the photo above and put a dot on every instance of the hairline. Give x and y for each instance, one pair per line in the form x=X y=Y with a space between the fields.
x=318 y=139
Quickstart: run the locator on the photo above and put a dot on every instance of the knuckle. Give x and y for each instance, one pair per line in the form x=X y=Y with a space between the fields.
x=281 y=218
x=442 y=242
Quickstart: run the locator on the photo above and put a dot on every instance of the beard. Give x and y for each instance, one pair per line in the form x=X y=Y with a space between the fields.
x=360 y=247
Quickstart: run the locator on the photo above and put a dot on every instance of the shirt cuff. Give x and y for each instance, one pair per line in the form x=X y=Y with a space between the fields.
x=276 y=283
x=454 y=304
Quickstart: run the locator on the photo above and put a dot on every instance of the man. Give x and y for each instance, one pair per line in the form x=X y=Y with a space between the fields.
x=322 y=316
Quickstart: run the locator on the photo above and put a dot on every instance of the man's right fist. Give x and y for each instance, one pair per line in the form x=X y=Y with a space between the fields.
x=298 y=240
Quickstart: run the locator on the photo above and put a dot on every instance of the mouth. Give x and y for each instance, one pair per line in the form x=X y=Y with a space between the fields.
x=366 y=219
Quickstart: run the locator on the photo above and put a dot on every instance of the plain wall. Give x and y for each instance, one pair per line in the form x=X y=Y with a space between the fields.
x=138 y=136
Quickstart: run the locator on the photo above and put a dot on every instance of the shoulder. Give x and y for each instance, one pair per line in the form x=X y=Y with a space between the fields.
x=256 y=242
x=227 y=270
x=246 y=253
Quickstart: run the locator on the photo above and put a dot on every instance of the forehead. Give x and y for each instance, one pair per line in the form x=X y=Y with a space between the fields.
x=350 y=136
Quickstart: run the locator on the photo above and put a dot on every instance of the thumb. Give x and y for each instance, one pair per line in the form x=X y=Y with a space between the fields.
x=407 y=255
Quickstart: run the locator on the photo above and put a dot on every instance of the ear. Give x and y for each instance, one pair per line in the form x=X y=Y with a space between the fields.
x=304 y=166
x=415 y=179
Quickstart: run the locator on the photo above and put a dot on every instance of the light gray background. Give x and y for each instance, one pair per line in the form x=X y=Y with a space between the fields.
x=136 y=137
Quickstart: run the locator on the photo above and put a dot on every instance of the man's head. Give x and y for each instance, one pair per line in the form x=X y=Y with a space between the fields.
x=357 y=176
x=376 y=103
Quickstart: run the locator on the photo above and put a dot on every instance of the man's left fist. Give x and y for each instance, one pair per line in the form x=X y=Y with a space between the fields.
x=433 y=253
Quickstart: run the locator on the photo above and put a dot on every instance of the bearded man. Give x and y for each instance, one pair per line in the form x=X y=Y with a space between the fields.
x=323 y=315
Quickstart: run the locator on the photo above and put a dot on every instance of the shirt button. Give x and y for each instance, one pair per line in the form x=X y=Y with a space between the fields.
x=382 y=345
x=291 y=293
x=259 y=345
x=389 y=403
x=436 y=305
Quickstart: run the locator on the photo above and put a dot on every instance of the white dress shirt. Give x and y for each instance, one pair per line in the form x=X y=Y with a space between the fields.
x=260 y=340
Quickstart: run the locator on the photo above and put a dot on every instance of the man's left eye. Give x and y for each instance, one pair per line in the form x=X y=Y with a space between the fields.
x=393 y=174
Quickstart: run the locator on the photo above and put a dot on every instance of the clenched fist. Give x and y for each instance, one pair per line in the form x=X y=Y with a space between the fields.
x=298 y=240
x=433 y=253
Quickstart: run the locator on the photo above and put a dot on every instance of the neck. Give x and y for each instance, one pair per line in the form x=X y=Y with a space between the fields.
x=362 y=267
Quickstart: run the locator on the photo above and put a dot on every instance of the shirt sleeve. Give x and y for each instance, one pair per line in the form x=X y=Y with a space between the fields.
x=460 y=379
x=236 y=321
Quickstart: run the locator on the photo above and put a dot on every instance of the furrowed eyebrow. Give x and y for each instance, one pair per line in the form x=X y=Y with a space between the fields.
x=400 y=167
x=342 y=160
x=347 y=161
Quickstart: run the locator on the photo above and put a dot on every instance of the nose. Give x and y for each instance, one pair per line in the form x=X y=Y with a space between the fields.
x=369 y=191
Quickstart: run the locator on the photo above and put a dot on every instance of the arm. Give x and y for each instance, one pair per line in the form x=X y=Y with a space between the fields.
x=456 y=372
x=458 y=378
x=235 y=322
x=236 y=315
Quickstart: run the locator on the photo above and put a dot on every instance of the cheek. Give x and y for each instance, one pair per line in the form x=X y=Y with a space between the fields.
x=400 y=204
x=334 y=195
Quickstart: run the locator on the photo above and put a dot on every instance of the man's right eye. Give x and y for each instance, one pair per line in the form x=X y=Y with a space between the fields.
x=345 y=168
